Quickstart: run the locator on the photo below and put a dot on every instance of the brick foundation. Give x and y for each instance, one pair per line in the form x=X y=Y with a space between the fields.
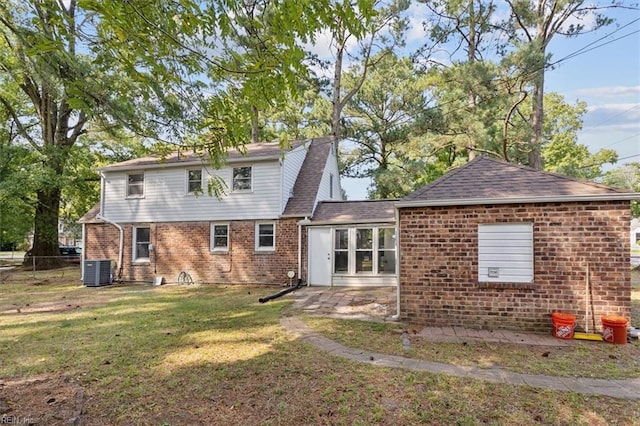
x=184 y=247
x=439 y=265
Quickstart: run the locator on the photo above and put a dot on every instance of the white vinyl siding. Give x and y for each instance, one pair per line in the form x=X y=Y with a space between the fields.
x=329 y=190
x=164 y=197
x=291 y=166
x=505 y=253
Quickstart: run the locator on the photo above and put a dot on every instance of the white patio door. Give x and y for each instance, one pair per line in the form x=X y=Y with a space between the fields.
x=320 y=247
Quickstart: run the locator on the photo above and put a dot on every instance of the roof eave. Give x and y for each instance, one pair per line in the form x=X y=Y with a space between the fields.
x=161 y=165
x=519 y=200
x=349 y=222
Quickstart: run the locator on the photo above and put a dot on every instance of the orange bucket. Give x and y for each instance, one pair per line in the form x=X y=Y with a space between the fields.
x=563 y=325
x=614 y=329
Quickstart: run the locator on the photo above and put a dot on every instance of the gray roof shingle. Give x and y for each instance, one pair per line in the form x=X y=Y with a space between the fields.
x=488 y=178
x=368 y=211
x=252 y=152
x=305 y=190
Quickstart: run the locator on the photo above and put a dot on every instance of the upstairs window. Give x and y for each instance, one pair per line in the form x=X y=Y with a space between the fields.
x=194 y=181
x=135 y=185
x=242 y=178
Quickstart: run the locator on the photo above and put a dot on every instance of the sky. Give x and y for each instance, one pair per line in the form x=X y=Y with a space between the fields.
x=604 y=72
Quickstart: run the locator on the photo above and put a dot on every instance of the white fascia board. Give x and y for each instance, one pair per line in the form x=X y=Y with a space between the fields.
x=193 y=163
x=351 y=222
x=628 y=196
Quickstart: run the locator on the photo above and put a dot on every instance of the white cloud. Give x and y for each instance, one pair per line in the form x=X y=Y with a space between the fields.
x=609 y=91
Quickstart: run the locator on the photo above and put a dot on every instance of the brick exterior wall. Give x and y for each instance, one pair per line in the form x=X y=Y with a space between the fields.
x=439 y=265
x=184 y=247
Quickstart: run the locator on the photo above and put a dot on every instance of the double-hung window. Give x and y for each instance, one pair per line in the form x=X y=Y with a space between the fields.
x=194 y=181
x=141 y=243
x=266 y=236
x=341 y=251
x=364 y=250
x=219 y=237
x=135 y=185
x=242 y=179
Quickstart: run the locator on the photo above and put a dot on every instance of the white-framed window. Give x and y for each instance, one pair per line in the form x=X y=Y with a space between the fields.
x=386 y=251
x=141 y=243
x=364 y=250
x=135 y=185
x=266 y=236
x=219 y=237
x=341 y=251
x=194 y=181
x=242 y=179
x=505 y=253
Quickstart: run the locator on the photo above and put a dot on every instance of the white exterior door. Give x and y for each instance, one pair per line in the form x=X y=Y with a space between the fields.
x=320 y=247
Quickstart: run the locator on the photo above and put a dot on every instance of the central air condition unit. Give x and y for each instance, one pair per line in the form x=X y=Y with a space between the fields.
x=97 y=272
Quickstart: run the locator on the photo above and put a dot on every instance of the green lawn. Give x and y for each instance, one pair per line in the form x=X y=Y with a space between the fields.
x=175 y=355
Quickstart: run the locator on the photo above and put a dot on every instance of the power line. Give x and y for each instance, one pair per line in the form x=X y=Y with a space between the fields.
x=614 y=116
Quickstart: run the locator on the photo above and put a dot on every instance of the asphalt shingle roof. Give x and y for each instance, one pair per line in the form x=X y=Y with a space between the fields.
x=488 y=178
x=305 y=190
x=254 y=151
x=354 y=211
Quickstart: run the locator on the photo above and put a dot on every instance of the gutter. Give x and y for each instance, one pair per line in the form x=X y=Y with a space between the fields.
x=101 y=217
x=626 y=196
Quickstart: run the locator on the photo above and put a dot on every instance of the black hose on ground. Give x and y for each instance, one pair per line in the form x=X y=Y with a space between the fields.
x=281 y=293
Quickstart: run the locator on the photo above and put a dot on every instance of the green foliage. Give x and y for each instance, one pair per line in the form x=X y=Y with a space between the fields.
x=626 y=177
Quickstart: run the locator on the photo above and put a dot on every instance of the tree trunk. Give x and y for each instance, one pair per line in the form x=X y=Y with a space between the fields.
x=336 y=102
x=255 y=125
x=45 y=240
x=537 y=115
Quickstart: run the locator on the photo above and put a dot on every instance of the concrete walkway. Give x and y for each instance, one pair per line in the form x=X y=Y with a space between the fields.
x=378 y=304
x=626 y=389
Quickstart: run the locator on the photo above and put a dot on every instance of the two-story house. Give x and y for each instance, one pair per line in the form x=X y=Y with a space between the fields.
x=155 y=217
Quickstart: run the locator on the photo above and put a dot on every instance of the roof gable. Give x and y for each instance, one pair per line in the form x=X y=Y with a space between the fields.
x=488 y=179
x=305 y=190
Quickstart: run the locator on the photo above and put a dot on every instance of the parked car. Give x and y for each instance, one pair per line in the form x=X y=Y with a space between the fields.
x=69 y=254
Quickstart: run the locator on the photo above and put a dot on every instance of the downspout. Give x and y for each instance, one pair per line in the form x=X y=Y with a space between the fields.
x=397 y=215
x=300 y=223
x=121 y=248
x=83 y=256
x=99 y=216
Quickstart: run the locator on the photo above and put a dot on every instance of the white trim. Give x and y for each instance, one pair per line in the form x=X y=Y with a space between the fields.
x=352 y=251
x=213 y=249
x=257 y=237
x=520 y=200
x=140 y=260
x=126 y=187
x=187 y=181
x=233 y=190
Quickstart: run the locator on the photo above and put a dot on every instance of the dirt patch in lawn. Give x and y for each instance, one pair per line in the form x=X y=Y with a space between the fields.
x=43 y=400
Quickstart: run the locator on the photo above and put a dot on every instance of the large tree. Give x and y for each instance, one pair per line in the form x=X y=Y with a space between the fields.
x=141 y=65
x=532 y=25
x=380 y=121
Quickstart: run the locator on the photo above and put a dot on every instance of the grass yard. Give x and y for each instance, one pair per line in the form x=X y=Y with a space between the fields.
x=176 y=355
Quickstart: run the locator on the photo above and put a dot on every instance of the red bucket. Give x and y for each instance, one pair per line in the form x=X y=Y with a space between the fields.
x=614 y=329
x=563 y=325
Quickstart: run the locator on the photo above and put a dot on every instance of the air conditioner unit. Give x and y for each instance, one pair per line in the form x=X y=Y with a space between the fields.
x=97 y=272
